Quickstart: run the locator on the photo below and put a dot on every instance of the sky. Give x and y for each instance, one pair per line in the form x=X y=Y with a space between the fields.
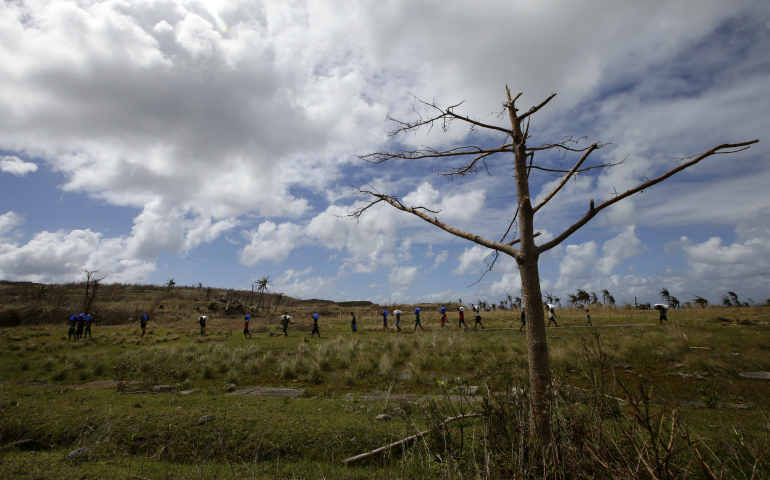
x=216 y=142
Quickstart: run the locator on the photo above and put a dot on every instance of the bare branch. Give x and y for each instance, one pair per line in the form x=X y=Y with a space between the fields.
x=418 y=211
x=534 y=109
x=594 y=210
x=380 y=157
x=582 y=170
x=566 y=178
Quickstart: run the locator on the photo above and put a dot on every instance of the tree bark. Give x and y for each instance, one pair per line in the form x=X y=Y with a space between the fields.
x=537 y=344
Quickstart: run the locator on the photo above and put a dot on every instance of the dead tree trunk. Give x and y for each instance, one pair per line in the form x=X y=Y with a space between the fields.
x=528 y=254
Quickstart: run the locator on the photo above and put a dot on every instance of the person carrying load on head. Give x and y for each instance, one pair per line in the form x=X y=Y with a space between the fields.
x=246 y=331
x=81 y=326
x=87 y=332
x=461 y=311
x=551 y=314
x=71 y=331
x=663 y=309
x=315 y=326
x=202 y=322
x=398 y=313
x=477 y=309
x=385 y=320
x=442 y=310
x=143 y=319
x=285 y=320
x=417 y=319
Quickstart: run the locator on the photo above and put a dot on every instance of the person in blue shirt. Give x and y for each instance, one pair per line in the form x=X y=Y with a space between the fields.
x=315 y=326
x=87 y=332
x=143 y=319
x=353 y=325
x=81 y=326
x=417 y=319
x=398 y=319
x=385 y=320
x=71 y=331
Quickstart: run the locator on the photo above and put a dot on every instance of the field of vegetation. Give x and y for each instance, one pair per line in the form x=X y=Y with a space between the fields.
x=632 y=399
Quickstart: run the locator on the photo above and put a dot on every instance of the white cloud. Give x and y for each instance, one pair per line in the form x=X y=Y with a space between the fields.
x=402 y=275
x=8 y=221
x=624 y=246
x=16 y=166
x=472 y=259
x=271 y=242
x=56 y=257
x=441 y=258
x=509 y=284
x=460 y=206
x=577 y=263
x=291 y=273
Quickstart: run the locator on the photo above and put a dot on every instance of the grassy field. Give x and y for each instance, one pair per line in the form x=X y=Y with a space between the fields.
x=690 y=366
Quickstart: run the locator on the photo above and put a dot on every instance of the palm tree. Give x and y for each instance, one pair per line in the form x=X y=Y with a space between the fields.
x=734 y=298
x=665 y=295
x=510 y=301
x=262 y=285
x=573 y=300
x=583 y=296
x=605 y=295
x=700 y=301
x=726 y=301
x=170 y=284
x=278 y=298
x=594 y=299
x=501 y=306
x=549 y=298
x=517 y=302
x=557 y=301
x=611 y=300
x=674 y=302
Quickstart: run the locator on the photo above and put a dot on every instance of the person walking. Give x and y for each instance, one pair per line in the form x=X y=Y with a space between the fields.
x=663 y=309
x=315 y=326
x=202 y=322
x=73 y=323
x=417 y=319
x=398 y=313
x=285 y=319
x=443 y=317
x=143 y=319
x=87 y=332
x=353 y=325
x=477 y=309
x=246 y=331
x=523 y=319
x=461 y=311
x=588 y=318
x=551 y=315
x=385 y=320
x=81 y=326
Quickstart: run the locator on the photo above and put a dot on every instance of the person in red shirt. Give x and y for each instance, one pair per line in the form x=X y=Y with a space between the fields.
x=246 y=327
x=462 y=318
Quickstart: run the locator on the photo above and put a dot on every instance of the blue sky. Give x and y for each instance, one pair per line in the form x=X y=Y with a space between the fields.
x=216 y=142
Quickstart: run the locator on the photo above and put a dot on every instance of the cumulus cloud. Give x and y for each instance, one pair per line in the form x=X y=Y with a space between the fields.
x=271 y=242
x=55 y=257
x=578 y=262
x=472 y=259
x=441 y=258
x=402 y=275
x=625 y=245
x=8 y=221
x=459 y=206
x=509 y=284
x=16 y=166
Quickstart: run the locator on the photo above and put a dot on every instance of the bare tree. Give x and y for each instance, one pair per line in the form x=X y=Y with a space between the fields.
x=278 y=298
x=523 y=249
x=91 y=282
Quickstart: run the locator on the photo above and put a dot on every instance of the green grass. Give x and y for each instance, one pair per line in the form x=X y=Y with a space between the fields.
x=157 y=436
